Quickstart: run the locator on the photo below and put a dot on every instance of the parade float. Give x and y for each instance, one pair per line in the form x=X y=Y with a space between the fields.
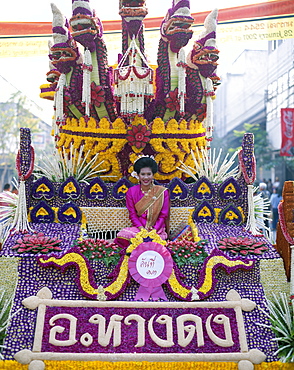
x=75 y=292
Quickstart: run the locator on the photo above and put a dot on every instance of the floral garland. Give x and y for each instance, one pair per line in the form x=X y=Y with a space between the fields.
x=248 y=179
x=25 y=176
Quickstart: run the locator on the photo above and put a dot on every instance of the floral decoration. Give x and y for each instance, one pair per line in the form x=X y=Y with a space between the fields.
x=120 y=188
x=99 y=249
x=96 y=189
x=187 y=251
x=70 y=188
x=217 y=259
x=178 y=189
x=172 y=101
x=230 y=215
x=97 y=94
x=37 y=243
x=203 y=189
x=138 y=136
x=70 y=213
x=42 y=188
x=171 y=140
x=85 y=274
x=230 y=189
x=204 y=213
x=242 y=245
x=42 y=212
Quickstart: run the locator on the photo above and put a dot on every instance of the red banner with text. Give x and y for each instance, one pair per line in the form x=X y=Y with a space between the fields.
x=287 y=127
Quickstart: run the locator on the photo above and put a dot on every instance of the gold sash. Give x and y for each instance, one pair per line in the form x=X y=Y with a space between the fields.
x=152 y=203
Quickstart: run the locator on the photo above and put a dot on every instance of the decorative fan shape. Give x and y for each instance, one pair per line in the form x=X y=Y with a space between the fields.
x=204 y=213
x=69 y=213
x=178 y=189
x=42 y=213
x=120 y=188
x=96 y=189
x=203 y=189
x=230 y=216
x=230 y=189
x=42 y=188
x=70 y=189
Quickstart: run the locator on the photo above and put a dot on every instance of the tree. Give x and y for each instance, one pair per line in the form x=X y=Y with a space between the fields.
x=14 y=114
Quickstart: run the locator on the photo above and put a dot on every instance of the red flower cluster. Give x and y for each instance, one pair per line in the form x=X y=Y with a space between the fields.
x=37 y=243
x=244 y=246
x=97 y=94
x=172 y=101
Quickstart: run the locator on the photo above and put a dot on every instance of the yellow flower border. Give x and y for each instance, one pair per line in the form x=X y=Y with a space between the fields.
x=144 y=365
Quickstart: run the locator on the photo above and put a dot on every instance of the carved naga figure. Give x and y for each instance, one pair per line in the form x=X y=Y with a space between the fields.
x=132 y=13
x=65 y=57
x=88 y=31
x=133 y=77
x=175 y=34
x=201 y=79
x=52 y=76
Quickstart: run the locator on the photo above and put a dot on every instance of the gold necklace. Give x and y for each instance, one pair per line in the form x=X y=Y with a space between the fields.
x=147 y=191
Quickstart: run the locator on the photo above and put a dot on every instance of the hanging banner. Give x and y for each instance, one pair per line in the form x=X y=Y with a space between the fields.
x=264 y=29
x=287 y=127
x=272 y=20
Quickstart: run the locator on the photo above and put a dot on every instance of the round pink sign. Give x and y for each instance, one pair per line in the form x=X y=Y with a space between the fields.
x=150 y=264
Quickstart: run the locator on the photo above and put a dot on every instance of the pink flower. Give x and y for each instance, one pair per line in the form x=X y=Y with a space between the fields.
x=138 y=136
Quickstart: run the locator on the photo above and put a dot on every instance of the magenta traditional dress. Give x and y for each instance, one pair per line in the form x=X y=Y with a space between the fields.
x=136 y=202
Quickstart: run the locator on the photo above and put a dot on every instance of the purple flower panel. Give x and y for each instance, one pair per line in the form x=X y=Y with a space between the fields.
x=42 y=212
x=69 y=189
x=69 y=213
x=204 y=213
x=230 y=189
x=96 y=189
x=178 y=189
x=42 y=188
x=230 y=216
x=120 y=188
x=129 y=333
x=203 y=189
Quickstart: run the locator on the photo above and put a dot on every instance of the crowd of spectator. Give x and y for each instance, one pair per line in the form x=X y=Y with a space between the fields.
x=271 y=192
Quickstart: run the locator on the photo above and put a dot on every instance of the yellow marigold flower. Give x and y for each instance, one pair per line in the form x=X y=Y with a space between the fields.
x=158 y=126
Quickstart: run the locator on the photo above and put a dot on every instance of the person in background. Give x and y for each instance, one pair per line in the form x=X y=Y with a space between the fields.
x=270 y=186
x=7 y=187
x=276 y=184
x=275 y=199
x=14 y=190
x=265 y=195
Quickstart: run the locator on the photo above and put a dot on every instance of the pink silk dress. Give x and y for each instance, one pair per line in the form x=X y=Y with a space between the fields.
x=134 y=194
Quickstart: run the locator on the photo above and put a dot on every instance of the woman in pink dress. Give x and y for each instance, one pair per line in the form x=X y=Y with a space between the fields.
x=148 y=204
